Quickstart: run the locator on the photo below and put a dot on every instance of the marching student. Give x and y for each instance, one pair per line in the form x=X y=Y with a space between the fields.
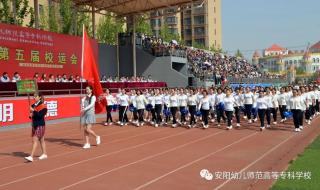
x=173 y=106
x=212 y=97
x=309 y=105
x=317 y=99
x=204 y=106
x=268 y=98
x=140 y=102
x=88 y=118
x=158 y=99
x=262 y=106
x=275 y=105
x=303 y=106
x=166 y=104
x=282 y=101
x=110 y=102
x=38 y=110
x=124 y=104
x=254 y=111
x=295 y=106
x=151 y=107
x=229 y=102
x=218 y=102
x=192 y=106
x=118 y=102
x=133 y=110
x=182 y=98
x=248 y=101
x=237 y=104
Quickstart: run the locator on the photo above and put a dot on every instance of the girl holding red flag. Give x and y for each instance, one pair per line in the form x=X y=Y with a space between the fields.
x=88 y=117
x=38 y=110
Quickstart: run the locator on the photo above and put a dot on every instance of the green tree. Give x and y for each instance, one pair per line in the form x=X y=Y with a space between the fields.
x=52 y=20
x=108 y=29
x=65 y=10
x=83 y=19
x=238 y=54
x=142 y=25
x=168 y=35
x=22 y=11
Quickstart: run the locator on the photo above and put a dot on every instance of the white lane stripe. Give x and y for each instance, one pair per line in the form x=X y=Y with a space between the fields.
x=87 y=160
x=197 y=160
x=135 y=162
x=257 y=160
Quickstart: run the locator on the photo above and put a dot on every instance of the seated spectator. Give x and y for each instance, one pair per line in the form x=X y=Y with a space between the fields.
x=77 y=79
x=5 y=77
x=44 y=78
x=72 y=79
x=64 y=78
x=16 y=77
x=36 y=77
x=103 y=78
x=51 y=78
x=59 y=78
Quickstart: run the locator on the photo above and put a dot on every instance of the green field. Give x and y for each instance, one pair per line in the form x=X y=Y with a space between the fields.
x=309 y=161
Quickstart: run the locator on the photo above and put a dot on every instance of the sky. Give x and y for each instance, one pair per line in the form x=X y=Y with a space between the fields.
x=257 y=24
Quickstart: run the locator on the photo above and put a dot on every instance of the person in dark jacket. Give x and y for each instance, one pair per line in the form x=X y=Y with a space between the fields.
x=38 y=110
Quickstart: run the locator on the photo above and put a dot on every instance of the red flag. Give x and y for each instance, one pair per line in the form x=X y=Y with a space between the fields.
x=90 y=72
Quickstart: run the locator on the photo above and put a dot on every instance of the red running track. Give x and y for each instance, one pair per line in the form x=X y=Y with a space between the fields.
x=150 y=158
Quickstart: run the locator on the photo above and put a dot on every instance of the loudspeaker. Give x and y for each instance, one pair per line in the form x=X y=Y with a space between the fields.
x=191 y=81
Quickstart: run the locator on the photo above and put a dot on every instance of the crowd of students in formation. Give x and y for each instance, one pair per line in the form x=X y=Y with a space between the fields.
x=189 y=107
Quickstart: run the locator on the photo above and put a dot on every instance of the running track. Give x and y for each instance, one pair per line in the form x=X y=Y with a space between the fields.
x=148 y=157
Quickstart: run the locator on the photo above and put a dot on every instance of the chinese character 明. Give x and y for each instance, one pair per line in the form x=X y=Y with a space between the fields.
x=4 y=53
x=52 y=107
x=49 y=57
x=35 y=56
x=19 y=54
x=62 y=58
x=73 y=59
x=6 y=112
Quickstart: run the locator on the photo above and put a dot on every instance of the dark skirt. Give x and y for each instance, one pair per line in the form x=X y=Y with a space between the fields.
x=38 y=131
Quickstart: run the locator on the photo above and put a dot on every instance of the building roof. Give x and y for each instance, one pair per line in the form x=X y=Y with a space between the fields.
x=127 y=7
x=315 y=46
x=275 y=47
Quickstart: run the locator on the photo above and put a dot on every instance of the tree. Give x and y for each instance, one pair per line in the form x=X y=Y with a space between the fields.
x=22 y=11
x=198 y=45
x=108 y=29
x=65 y=10
x=52 y=20
x=142 y=26
x=238 y=54
x=83 y=19
x=168 y=35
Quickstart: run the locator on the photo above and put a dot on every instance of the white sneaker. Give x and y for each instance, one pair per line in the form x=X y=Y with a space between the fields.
x=86 y=146
x=256 y=119
x=238 y=125
x=297 y=130
x=274 y=123
x=309 y=122
x=106 y=124
x=29 y=158
x=262 y=128
x=285 y=119
x=142 y=124
x=189 y=126
x=244 y=117
x=212 y=120
x=206 y=126
x=229 y=127
x=184 y=123
x=98 y=140
x=121 y=124
x=250 y=121
x=300 y=127
x=118 y=122
x=110 y=123
x=268 y=126
x=43 y=156
x=138 y=124
x=282 y=120
x=174 y=125
x=156 y=125
x=219 y=125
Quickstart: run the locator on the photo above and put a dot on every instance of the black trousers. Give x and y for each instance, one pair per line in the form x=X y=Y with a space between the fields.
x=220 y=114
x=167 y=116
x=153 y=114
x=296 y=117
x=237 y=113
x=183 y=115
x=205 y=115
x=274 y=112
x=174 y=112
x=109 y=116
x=123 y=114
x=308 y=113
x=158 y=108
x=192 y=111
x=282 y=109
x=248 y=108
x=301 y=117
x=140 y=113
x=262 y=114
x=229 y=117
x=317 y=108
x=268 y=115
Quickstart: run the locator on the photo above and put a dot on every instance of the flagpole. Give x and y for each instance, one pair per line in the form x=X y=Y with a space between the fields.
x=81 y=79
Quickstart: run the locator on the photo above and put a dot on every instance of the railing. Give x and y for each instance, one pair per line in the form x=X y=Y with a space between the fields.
x=257 y=80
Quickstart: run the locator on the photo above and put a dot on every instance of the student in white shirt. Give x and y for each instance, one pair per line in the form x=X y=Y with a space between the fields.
x=309 y=105
x=229 y=107
x=183 y=98
x=219 y=100
x=262 y=106
x=282 y=101
x=124 y=104
x=150 y=107
x=173 y=101
x=303 y=102
x=275 y=105
x=317 y=93
x=205 y=107
x=248 y=101
x=140 y=102
x=268 y=98
x=134 y=112
x=158 y=99
x=212 y=97
x=295 y=106
x=110 y=102
x=237 y=104
x=192 y=106
x=166 y=104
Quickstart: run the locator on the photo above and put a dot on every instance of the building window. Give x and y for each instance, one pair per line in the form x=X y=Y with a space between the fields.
x=295 y=61
x=199 y=30
x=314 y=60
x=214 y=9
x=198 y=19
x=187 y=32
x=286 y=62
x=200 y=41
x=171 y=20
x=215 y=32
x=173 y=30
x=318 y=60
x=187 y=21
x=215 y=21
